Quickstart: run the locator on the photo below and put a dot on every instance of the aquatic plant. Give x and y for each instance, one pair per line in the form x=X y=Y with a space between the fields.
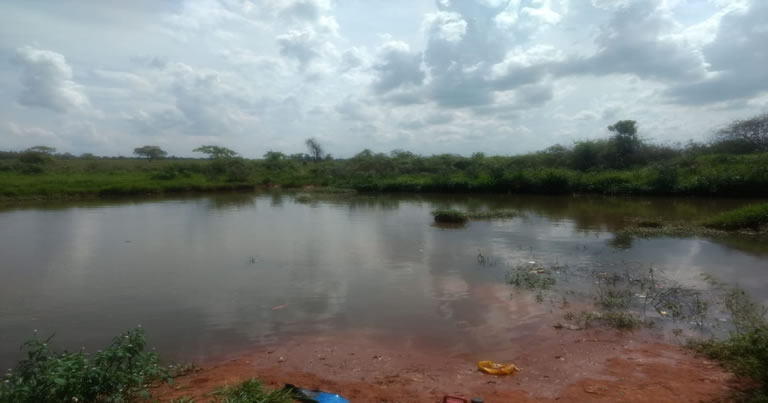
x=449 y=216
x=531 y=277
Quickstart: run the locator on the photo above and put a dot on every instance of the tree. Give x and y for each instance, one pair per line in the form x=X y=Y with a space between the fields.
x=42 y=149
x=151 y=153
x=37 y=155
x=625 y=140
x=216 y=152
x=315 y=149
x=753 y=131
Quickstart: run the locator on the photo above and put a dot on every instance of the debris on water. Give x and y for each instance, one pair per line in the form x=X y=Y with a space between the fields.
x=279 y=307
x=492 y=368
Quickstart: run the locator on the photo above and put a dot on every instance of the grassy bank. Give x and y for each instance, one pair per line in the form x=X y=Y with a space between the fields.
x=749 y=222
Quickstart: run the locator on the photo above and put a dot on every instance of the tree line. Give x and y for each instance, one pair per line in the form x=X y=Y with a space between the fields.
x=622 y=149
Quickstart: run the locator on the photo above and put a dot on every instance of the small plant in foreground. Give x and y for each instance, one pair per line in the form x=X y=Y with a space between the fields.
x=449 y=216
x=253 y=391
x=121 y=372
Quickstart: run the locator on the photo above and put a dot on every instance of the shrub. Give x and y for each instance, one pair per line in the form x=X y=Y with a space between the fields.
x=449 y=216
x=119 y=373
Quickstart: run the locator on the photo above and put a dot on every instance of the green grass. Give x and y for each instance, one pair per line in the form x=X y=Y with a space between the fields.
x=253 y=391
x=62 y=186
x=121 y=372
x=752 y=217
x=677 y=173
x=745 y=350
x=450 y=216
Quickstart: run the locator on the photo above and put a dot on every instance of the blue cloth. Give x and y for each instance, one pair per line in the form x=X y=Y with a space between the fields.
x=322 y=397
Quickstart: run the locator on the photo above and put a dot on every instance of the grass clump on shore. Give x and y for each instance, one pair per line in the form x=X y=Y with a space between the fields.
x=752 y=217
x=121 y=372
x=252 y=391
x=749 y=221
x=450 y=216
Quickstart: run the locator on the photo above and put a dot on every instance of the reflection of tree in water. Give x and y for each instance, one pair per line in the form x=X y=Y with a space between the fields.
x=621 y=241
x=232 y=201
x=276 y=199
x=380 y=202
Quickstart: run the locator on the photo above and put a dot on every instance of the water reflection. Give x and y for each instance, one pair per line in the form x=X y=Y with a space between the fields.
x=204 y=274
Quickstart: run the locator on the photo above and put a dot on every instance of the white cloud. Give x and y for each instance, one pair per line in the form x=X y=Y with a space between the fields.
x=46 y=79
x=485 y=75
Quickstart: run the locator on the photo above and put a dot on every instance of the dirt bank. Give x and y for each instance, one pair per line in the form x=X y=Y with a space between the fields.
x=564 y=365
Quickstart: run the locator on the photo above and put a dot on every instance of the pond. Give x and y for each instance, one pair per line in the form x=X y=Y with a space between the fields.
x=211 y=276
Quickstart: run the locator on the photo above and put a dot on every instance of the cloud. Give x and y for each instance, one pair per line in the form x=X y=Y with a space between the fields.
x=448 y=26
x=636 y=41
x=353 y=110
x=46 y=80
x=195 y=101
x=27 y=131
x=300 y=45
x=737 y=59
x=397 y=67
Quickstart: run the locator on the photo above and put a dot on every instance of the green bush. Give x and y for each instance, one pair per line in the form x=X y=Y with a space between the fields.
x=120 y=373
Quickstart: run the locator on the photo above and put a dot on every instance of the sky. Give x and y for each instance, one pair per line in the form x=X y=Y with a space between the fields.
x=442 y=76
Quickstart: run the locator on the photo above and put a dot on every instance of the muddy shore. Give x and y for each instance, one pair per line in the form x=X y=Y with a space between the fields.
x=557 y=365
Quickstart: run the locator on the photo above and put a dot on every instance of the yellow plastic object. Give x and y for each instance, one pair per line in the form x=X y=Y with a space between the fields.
x=490 y=367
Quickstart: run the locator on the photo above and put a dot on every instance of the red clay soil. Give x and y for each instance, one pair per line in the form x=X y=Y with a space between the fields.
x=572 y=366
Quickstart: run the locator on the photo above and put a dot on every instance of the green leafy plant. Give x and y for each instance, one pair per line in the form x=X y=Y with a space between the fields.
x=120 y=373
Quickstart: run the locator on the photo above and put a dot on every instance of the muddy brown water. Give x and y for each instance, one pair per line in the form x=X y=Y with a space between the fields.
x=212 y=276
